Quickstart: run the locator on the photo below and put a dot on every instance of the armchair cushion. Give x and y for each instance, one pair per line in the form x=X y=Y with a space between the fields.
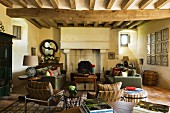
x=109 y=87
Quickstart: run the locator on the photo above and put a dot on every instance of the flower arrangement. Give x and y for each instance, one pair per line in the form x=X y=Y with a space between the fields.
x=72 y=90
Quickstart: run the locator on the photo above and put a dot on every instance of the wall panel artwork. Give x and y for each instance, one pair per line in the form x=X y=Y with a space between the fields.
x=157 y=47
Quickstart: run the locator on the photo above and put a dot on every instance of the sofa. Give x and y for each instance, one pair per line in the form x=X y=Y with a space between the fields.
x=117 y=75
x=52 y=74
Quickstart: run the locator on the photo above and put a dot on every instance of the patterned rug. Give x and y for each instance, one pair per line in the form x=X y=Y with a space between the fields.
x=19 y=107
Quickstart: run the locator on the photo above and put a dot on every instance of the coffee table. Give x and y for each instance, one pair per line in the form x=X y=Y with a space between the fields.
x=119 y=107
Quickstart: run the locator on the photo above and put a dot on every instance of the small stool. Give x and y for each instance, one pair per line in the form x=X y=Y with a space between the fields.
x=136 y=95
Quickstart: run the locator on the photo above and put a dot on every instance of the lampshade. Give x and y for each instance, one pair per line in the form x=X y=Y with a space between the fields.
x=141 y=61
x=125 y=58
x=30 y=60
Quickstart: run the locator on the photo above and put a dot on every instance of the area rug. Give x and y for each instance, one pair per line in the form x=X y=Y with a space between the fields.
x=19 y=107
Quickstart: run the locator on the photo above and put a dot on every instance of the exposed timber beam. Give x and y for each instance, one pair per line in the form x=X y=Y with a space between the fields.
x=34 y=22
x=126 y=3
x=23 y=3
x=37 y=3
x=73 y=4
x=117 y=24
x=126 y=24
x=91 y=5
x=50 y=22
x=43 y=23
x=96 y=24
x=6 y=3
x=144 y=3
x=135 y=24
x=161 y=3
x=76 y=24
x=89 y=15
x=110 y=4
x=54 y=3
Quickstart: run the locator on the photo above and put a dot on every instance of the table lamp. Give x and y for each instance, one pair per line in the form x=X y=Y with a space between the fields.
x=30 y=61
x=125 y=59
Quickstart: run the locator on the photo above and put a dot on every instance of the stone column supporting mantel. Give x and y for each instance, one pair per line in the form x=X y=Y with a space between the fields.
x=67 y=51
x=102 y=58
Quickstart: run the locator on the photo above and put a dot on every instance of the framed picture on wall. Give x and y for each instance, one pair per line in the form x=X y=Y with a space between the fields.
x=158 y=59
x=158 y=36
x=164 y=61
x=111 y=55
x=152 y=35
x=165 y=46
x=153 y=60
x=148 y=39
x=152 y=48
x=165 y=34
x=158 y=47
x=148 y=59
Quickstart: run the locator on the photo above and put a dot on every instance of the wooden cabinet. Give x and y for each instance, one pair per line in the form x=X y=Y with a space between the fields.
x=5 y=63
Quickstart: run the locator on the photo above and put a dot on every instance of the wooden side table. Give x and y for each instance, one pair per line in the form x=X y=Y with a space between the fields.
x=72 y=100
x=90 y=78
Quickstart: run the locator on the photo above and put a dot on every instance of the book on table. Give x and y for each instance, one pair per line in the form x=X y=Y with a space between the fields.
x=96 y=106
x=149 y=107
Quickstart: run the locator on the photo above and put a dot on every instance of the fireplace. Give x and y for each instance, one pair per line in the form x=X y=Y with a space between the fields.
x=84 y=44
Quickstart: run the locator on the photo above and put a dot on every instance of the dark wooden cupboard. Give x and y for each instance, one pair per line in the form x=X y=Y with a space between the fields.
x=5 y=63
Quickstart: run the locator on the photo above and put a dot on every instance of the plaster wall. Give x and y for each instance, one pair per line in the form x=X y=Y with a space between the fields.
x=143 y=31
x=29 y=37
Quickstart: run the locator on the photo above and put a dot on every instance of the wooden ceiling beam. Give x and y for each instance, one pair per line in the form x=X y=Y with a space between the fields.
x=6 y=3
x=135 y=24
x=37 y=3
x=96 y=24
x=91 y=4
x=144 y=3
x=161 y=3
x=76 y=24
x=54 y=3
x=43 y=23
x=110 y=4
x=106 y=24
x=126 y=3
x=89 y=15
x=126 y=24
x=34 y=23
x=50 y=22
x=23 y=3
x=117 y=24
x=73 y=4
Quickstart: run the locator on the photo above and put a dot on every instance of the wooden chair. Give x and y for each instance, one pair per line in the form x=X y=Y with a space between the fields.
x=43 y=94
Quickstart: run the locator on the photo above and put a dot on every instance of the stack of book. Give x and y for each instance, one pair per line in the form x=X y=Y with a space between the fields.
x=148 y=107
x=95 y=106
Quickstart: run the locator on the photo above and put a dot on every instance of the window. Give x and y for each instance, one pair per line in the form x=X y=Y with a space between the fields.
x=17 y=31
x=124 y=40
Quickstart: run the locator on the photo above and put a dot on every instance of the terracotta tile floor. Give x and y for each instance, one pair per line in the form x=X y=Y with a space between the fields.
x=155 y=94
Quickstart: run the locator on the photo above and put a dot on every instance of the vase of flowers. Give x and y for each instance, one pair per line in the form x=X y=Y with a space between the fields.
x=72 y=90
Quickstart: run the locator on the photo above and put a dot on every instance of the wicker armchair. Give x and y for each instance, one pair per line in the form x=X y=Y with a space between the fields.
x=43 y=94
x=108 y=92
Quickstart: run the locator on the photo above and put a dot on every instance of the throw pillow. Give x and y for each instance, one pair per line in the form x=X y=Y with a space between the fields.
x=109 y=87
x=59 y=70
x=124 y=73
x=53 y=72
x=48 y=73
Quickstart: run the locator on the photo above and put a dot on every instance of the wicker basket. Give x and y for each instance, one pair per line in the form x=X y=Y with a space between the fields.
x=150 y=78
